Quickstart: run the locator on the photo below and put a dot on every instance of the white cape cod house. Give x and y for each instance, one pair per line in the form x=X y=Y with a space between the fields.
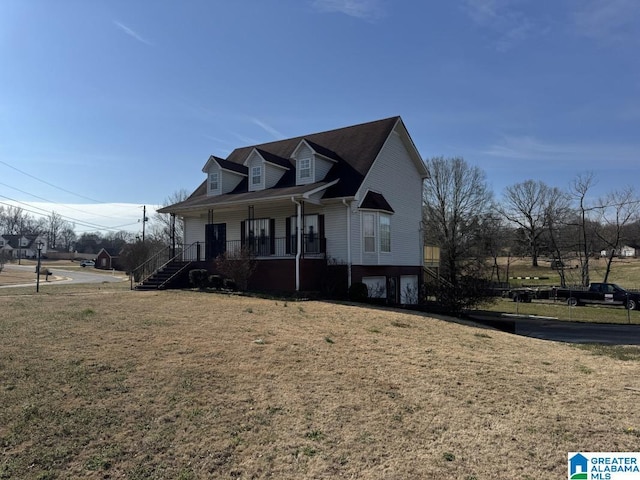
x=349 y=198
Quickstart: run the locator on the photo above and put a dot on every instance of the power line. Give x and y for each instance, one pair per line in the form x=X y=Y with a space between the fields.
x=74 y=220
x=56 y=203
x=50 y=184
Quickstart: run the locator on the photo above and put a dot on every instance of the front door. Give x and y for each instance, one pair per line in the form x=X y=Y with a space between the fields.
x=215 y=236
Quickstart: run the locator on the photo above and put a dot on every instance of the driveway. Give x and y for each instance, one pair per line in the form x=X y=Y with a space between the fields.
x=560 y=331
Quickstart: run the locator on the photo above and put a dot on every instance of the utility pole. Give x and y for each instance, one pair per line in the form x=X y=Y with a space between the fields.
x=144 y=220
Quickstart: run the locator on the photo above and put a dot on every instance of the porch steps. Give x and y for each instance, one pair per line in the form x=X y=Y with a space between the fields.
x=170 y=276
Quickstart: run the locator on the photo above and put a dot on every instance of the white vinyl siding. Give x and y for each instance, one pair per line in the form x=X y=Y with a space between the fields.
x=272 y=175
x=229 y=181
x=322 y=167
x=335 y=231
x=395 y=176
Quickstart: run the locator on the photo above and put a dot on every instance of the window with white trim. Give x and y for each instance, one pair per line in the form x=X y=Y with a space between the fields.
x=256 y=176
x=385 y=233
x=304 y=166
x=369 y=232
x=214 y=181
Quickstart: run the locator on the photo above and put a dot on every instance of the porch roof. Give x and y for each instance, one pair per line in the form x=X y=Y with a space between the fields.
x=200 y=202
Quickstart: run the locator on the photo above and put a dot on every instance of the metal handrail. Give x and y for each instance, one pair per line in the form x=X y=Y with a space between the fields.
x=158 y=261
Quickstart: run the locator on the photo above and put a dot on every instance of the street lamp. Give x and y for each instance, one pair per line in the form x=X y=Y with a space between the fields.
x=40 y=244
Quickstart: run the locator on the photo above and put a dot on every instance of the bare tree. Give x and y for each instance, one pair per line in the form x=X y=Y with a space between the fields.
x=68 y=237
x=527 y=205
x=55 y=225
x=161 y=225
x=558 y=214
x=15 y=221
x=456 y=200
x=580 y=189
x=618 y=210
x=496 y=239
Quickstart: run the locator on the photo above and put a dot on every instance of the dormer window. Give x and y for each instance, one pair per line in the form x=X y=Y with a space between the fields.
x=256 y=176
x=304 y=166
x=214 y=182
x=312 y=162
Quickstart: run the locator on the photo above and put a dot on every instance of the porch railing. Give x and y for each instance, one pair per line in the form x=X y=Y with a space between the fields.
x=278 y=246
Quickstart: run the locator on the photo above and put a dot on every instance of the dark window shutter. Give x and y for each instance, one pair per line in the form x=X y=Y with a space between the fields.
x=272 y=233
x=323 y=241
x=287 y=230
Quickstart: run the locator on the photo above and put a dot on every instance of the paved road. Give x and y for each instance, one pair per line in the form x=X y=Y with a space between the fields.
x=572 y=332
x=87 y=275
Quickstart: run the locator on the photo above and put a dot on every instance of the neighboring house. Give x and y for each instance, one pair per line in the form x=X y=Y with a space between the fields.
x=22 y=246
x=629 y=251
x=107 y=259
x=624 y=251
x=349 y=197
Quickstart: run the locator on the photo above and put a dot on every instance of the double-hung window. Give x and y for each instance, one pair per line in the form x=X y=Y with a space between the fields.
x=256 y=176
x=369 y=232
x=376 y=232
x=304 y=166
x=214 y=182
x=385 y=233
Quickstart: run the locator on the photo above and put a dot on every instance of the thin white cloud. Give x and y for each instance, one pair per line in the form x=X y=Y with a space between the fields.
x=268 y=128
x=583 y=155
x=132 y=33
x=508 y=25
x=610 y=21
x=369 y=10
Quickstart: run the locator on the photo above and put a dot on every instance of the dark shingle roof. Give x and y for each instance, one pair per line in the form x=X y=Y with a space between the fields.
x=14 y=240
x=323 y=151
x=275 y=159
x=234 y=167
x=354 y=149
x=376 y=201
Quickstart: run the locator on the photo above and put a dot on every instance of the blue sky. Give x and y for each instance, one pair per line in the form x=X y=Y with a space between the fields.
x=123 y=101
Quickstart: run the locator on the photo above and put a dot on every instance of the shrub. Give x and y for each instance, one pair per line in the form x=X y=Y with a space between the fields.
x=358 y=292
x=216 y=281
x=230 y=284
x=237 y=266
x=199 y=278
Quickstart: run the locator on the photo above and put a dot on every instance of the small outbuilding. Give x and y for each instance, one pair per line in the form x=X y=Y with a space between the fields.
x=107 y=259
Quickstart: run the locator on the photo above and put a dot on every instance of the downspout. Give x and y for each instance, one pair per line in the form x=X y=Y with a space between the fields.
x=344 y=202
x=298 y=240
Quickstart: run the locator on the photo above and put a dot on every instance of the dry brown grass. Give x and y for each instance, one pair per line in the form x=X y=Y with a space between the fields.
x=188 y=385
